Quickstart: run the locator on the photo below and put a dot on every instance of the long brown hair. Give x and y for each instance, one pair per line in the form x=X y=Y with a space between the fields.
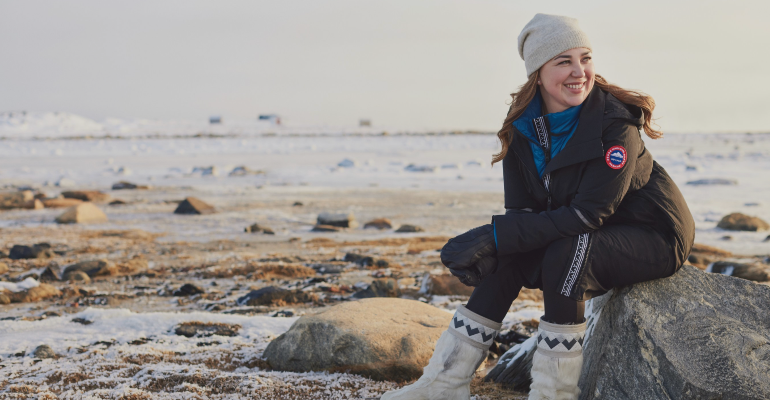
x=526 y=93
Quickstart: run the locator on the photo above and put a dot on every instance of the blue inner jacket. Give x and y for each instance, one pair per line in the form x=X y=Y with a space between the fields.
x=562 y=126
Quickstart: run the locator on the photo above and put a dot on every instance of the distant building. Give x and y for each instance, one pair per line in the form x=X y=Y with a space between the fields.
x=274 y=118
x=364 y=122
x=215 y=119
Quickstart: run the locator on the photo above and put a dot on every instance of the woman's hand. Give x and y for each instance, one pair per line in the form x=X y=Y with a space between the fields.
x=472 y=255
x=476 y=273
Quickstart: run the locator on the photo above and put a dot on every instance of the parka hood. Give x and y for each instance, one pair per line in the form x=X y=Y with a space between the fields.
x=615 y=109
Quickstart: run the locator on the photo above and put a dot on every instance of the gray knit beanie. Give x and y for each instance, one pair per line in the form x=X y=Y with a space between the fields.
x=547 y=36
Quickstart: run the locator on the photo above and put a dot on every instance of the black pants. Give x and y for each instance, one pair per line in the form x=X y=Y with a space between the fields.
x=574 y=269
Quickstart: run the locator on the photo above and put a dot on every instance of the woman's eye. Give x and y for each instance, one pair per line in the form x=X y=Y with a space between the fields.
x=563 y=62
x=587 y=59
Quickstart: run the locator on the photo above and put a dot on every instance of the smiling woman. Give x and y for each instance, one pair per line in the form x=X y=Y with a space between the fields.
x=587 y=210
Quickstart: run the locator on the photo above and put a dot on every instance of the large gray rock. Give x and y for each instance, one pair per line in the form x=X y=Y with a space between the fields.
x=380 y=338
x=694 y=335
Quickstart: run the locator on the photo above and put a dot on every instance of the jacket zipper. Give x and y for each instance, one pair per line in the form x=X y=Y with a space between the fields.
x=545 y=143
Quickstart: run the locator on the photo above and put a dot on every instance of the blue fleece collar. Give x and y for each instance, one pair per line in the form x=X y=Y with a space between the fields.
x=562 y=126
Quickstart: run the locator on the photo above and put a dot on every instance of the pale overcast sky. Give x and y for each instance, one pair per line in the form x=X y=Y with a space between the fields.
x=407 y=63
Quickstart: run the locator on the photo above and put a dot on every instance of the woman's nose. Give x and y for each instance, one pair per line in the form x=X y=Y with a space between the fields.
x=578 y=71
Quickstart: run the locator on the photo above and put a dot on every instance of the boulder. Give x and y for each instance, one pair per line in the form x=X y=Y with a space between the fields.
x=694 y=335
x=92 y=268
x=37 y=293
x=52 y=273
x=382 y=339
x=713 y=181
x=34 y=204
x=85 y=213
x=383 y=287
x=752 y=272
x=406 y=228
x=122 y=185
x=339 y=220
x=79 y=277
x=272 y=295
x=379 y=223
x=188 y=289
x=9 y=201
x=192 y=205
x=204 y=329
x=742 y=222
x=43 y=351
x=446 y=284
x=21 y=252
x=257 y=228
x=326 y=228
x=61 y=203
x=93 y=196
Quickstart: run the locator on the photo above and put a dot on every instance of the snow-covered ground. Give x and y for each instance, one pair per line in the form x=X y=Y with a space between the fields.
x=454 y=163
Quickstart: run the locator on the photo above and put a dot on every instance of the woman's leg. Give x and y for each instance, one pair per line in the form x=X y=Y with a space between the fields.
x=493 y=297
x=580 y=267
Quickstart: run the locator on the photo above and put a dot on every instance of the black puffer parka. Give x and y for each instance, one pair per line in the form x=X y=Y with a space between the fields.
x=591 y=183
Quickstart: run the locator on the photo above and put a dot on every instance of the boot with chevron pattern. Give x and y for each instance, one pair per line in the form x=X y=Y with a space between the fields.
x=459 y=352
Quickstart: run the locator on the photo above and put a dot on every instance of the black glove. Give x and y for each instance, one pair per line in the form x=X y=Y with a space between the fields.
x=464 y=251
x=472 y=276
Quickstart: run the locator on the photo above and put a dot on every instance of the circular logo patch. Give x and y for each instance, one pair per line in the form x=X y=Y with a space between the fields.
x=616 y=157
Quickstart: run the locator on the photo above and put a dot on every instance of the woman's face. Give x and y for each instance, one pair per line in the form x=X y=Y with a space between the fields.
x=566 y=80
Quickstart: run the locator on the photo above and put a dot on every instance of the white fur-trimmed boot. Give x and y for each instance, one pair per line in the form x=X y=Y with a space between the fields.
x=558 y=362
x=459 y=352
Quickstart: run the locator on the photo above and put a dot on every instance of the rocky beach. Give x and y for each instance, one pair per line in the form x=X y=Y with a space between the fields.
x=233 y=265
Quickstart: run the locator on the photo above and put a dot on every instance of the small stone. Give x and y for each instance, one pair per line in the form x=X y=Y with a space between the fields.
x=3 y=268
x=326 y=228
x=44 y=351
x=79 y=277
x=256 y=228
x=272 y=295
x=379 y=223
x=82 y=321
x=4 y=299
x=409 y=229
x=61 y=203
x=205 y=329
x=84 y=213
x=93 y=196
x=9 y=201
x=51 y=274
x=767 y=239
x=284 y=313
x=340 y=220
x=713 y=181
x=93 y=268
x=363 y=261
x=192 y=205
x=742 y=222
x=40 y=250
x=34 y=204
x=122 y=185
x=297 y=204
x=745 y=271
x=444 y=285
x=117 y=202
x=383 y=287
x=188 y=289
x=726 y=238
